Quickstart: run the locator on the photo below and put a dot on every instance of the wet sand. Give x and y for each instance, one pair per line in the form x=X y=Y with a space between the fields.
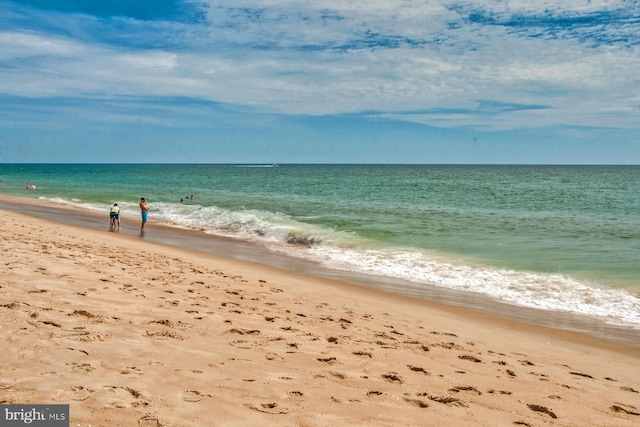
x=133 y=332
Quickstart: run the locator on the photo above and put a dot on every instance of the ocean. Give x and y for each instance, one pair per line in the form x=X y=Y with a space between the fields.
x=562 y=239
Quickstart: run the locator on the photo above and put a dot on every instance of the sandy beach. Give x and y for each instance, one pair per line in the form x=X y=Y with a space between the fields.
x=134 y=333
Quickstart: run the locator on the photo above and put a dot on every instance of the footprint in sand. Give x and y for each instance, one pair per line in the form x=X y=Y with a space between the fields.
x=418 y=369
x=125 y=397
x=338 y=375
x=130 y=370
x=164 y=335
x=542 y=409
x=273 y=356
x=295 y=393
x=618 y=408
x=148 y=421
x=75 y=393
x=449 y=346
x=270 y=408
x=82 y=367
x=508 y=393
x=465 y=388
x=393 y=377
x=580 y=374
x=192 y=396
x=83 y=313
x=469 y=358
x=449 y=401
x=6 y=385
x=417 y=402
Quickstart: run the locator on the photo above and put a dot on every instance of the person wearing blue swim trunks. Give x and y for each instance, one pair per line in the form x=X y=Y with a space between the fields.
x=144 y=210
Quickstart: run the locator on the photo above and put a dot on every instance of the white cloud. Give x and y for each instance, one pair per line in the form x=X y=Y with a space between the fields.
x=546 y=7
x=16 y=45
x=337 y=57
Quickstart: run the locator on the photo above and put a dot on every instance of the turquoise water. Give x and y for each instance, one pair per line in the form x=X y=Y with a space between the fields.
x=562 y=238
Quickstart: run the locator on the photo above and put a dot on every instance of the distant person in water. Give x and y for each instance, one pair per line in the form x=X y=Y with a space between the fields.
x=144 y=211
x=114 y=216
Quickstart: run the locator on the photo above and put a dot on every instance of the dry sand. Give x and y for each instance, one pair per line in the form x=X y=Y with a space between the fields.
x=131 y=333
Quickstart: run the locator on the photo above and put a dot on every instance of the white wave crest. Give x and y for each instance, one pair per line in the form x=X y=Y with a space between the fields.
x=555 y=292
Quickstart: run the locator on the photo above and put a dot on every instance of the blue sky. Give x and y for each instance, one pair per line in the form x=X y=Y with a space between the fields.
x=337 y=81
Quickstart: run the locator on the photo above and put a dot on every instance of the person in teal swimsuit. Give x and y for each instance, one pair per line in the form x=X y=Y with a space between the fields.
x=144 y=210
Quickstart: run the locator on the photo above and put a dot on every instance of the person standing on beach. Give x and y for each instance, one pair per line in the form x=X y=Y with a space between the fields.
x=144 y=210
x=114 y=215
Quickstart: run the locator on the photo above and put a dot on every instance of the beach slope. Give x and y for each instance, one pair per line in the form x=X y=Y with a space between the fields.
x=132 y=333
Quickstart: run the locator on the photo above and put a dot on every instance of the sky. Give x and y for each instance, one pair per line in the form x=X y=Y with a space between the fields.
x=332 y=81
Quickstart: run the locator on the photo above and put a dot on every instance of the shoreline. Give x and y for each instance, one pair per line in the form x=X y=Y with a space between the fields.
x=132 y=332
x=257 y=252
